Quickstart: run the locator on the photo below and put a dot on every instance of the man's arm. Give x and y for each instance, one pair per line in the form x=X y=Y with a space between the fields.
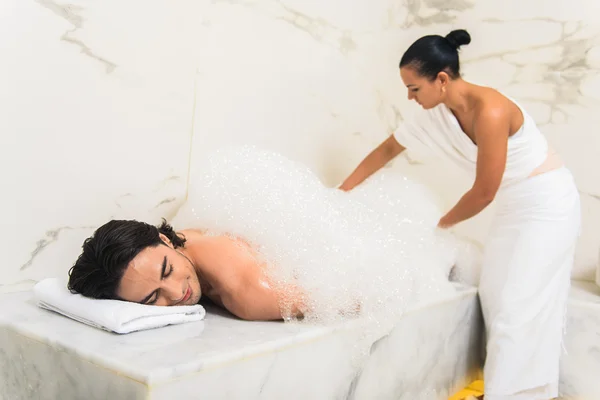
x=254 y=299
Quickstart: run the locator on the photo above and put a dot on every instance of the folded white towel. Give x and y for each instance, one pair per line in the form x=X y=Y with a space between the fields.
x=111 y=315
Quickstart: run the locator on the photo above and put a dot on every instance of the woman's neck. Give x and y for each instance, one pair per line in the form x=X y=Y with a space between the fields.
x=459 y=97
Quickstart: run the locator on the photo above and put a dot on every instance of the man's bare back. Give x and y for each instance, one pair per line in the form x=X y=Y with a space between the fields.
x=233 y=277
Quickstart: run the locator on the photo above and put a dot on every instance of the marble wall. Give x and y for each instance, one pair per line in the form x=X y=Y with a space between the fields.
x=106 y=105
x=96 y=123
x=598 y=270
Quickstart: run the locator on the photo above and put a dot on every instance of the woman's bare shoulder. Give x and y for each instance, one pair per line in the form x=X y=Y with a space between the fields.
x=493 y=104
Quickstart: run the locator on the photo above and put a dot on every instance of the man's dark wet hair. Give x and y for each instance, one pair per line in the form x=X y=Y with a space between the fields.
x=106 y=254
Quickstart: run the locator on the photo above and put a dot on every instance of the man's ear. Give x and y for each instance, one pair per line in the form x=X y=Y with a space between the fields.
x=166 y=240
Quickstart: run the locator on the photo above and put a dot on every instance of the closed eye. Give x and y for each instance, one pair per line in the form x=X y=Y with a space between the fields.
x=164 y=273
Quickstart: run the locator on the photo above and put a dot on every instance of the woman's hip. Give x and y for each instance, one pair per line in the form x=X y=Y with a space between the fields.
x=548 y=197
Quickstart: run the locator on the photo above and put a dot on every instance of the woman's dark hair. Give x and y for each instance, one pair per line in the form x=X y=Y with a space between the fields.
x=106 y=254
x=433 y=54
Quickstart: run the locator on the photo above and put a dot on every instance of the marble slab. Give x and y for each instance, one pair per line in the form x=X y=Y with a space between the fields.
x=580 y=365
x=430 y=354
x=432 y=350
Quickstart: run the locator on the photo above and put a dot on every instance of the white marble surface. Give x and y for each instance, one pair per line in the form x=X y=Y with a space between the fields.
x=580 y=364
x=418 y=360
x=598 y=269
x=106 y=104
x=228 y=358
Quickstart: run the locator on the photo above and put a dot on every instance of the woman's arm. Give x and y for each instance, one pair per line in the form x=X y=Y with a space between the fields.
x=373 y=162
x=491 y=130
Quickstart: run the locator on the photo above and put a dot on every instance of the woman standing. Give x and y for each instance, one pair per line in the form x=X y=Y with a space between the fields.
x=529 y=253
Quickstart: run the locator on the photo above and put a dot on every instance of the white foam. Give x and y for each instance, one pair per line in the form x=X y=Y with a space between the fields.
x=375 y=247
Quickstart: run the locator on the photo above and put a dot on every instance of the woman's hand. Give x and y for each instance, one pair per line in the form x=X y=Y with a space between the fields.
x=445 y=223
x=379 y=157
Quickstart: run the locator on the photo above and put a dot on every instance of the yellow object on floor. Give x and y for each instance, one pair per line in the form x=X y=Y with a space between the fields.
x=474 y=389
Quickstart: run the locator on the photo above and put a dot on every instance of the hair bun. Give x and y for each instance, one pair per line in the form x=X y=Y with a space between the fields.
x=458 y=38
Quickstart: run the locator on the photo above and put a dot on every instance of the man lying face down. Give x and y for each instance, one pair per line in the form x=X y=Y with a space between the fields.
x=137 y=262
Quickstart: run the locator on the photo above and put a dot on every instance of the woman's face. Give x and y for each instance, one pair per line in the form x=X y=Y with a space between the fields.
x=427 y=93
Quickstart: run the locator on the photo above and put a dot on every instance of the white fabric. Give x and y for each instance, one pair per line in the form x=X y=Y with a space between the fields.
x=111 y=315
x=524 y=285
x=527 y=259
x=437 y=131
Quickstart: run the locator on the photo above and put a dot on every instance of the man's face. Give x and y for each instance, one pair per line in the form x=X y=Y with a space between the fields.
x=160 y=276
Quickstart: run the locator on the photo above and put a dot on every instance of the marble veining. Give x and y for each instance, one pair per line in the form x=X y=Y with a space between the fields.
x=72 y=13
x=560 y=62
x=432 y=12
x=166 y=201
x=50 y=237
x=598 y=269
